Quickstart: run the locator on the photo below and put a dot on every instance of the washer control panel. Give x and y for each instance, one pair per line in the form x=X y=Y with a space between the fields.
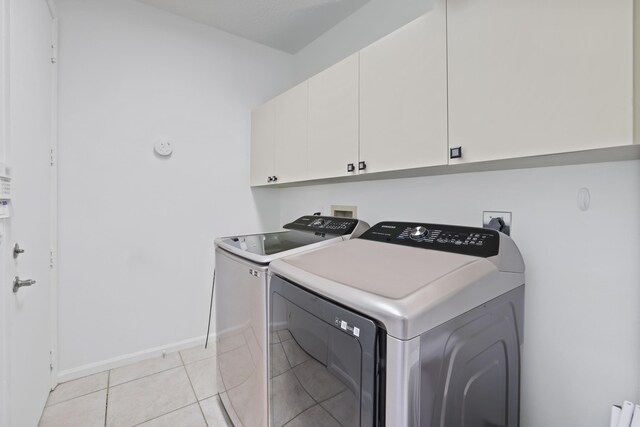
x=480 y=242
x=323 y=224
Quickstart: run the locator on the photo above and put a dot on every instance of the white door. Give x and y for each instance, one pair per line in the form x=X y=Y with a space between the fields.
x=30 y=141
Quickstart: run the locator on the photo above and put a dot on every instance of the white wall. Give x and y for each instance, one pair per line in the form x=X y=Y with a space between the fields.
x=136 y=231
x=371 y=22
x=582 y=322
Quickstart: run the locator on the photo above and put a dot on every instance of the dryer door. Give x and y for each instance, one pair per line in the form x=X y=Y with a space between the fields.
x=324 y=363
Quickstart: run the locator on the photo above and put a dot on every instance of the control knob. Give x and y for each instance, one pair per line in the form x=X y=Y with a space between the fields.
x=418 y=232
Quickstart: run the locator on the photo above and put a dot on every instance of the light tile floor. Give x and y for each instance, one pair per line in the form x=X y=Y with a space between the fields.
x=304 y=392
x=178 y=390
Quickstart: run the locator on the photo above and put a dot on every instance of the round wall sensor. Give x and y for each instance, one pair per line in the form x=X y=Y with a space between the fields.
x=584 y=199
x=163 y=148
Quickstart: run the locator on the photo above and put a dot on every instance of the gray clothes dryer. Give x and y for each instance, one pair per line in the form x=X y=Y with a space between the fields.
x=408 y=325
x=240 y=301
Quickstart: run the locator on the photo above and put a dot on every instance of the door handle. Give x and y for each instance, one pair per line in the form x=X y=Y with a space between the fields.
x=17 y=250
x=17 y=283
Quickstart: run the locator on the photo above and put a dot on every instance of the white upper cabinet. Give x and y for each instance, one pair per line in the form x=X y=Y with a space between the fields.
x=539 y=77
x=333 y=120
x=263 y=138
x=403 y=96
x=500 y=79
x=279 y=139
x=291 y=135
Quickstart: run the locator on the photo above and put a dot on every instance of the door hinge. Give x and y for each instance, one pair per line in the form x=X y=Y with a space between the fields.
x=54 y=54
x=51 y=259
x=51 y=352
x=52 y=156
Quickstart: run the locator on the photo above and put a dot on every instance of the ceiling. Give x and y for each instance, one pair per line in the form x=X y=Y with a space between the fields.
x=287 y=25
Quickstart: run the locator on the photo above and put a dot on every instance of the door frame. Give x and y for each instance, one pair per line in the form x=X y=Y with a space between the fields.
x=53 y=194
x=5 y=232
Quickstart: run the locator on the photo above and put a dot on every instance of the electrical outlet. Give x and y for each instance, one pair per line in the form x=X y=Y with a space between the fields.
x=487 y=216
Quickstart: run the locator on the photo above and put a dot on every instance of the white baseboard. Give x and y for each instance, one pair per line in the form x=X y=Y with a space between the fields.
x=126 y=359
x=278 y=326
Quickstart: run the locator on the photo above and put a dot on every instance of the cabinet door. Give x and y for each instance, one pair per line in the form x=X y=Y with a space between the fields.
x=291 y=134
x=530 y=78
x=333 y=120
x=263 y=137
x=403 y=96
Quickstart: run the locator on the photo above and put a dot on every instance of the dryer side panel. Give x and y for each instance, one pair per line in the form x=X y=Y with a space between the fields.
x=470 y=366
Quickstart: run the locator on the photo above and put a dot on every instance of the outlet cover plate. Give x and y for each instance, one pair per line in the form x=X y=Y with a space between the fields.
x=489 y=215
x=344 y=211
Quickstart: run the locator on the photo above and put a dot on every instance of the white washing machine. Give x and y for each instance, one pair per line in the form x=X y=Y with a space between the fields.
x=240 y=298
x=408 y=325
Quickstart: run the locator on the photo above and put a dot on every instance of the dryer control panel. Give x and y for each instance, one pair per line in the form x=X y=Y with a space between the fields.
x=323 y=224
x=479 y=242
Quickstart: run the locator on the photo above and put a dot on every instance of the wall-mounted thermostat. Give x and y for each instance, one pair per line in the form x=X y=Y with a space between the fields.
x=163 y=148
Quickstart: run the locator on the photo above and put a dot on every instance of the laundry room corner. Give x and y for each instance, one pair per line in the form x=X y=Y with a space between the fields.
x=136 y=248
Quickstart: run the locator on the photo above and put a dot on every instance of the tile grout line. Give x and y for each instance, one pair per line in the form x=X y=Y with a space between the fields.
x=145 y=376
x=148 y=375
x=106 y=403
x=307 y=392
x=110 y=385
x=227 y=351
x=75 y=397
x=108 y=371
x=162 y=415
x=319 y=402
x=184 y=366
x=297 y=379
x=292 y=369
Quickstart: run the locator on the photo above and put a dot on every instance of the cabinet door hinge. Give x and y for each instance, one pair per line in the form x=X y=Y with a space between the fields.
x=51 y=352
x=54 y=54
x=51 y=259
x=52 y=156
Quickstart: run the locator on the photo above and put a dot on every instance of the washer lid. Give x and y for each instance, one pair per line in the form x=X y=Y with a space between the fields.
x=409 y=290
x=304 y=233
x=390 y=271
x=265 y=247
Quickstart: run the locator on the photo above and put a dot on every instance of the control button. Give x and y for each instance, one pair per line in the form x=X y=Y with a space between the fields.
x=418 y=232
x=318 y=223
